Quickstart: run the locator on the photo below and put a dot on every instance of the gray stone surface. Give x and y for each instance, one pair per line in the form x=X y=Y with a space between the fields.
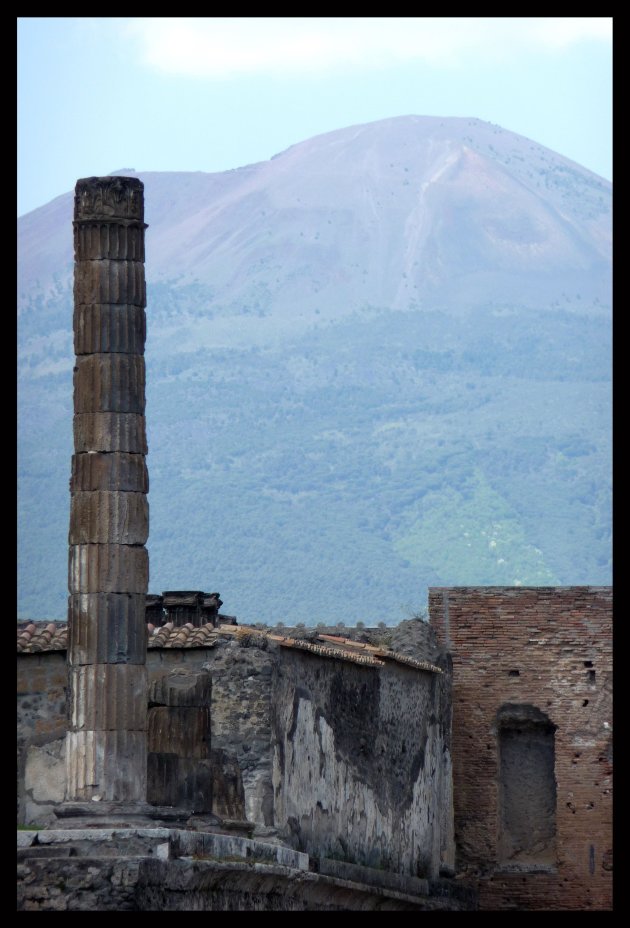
x=182 y=687
x=359 y=763
x=44 y=781
x=26 y=838
x=105 y=568
x=155 y=884
x=110 y=765
x=357 y=874
x=83 y=884
x=44 y=774
x=200 y=845
x=241 y=718
x=107 y=628
x=183 y=885
x=109 y=517
x=110 y=431
x=98 y=471
x=108 y=697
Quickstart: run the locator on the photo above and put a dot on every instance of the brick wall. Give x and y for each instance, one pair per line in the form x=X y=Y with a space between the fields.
x=549 y=650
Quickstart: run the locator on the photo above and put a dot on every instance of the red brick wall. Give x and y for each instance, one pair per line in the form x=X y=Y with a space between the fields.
x=559 y=639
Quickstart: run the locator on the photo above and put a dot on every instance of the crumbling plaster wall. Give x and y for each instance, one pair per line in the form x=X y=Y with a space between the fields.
x=548 y=648
x=361 y=762
x=42 y=681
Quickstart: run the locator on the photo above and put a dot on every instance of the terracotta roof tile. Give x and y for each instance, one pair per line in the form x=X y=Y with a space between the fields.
x=35 y=637
x=385 y=653
x=39 y=637
x=160 y=636
x=338 y=653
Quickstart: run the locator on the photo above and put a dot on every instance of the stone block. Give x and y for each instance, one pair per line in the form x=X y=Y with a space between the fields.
x=117 y=470
x=109 y=197
x=45 y=772
x=109 y=383
x=199 y=844
x=162 y=778
x=26 y=838
x=103 y=328
x=96 y=239
x=182 y=731
x=110 y=431
x=110 y=765
x=109 y=281
x=107 y=628
x=108 y=517
x=108 y=569
x=228 y=795
x=182 y=688
x=108 y=697
x=183 y=782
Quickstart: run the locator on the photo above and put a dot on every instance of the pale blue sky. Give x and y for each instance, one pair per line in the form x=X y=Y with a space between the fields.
x=163 y=94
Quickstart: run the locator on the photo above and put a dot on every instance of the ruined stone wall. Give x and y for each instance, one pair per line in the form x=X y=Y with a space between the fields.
x=239 y=735
x=401 y=778
x=531 y=667
x=42 y=681
x=361 y=762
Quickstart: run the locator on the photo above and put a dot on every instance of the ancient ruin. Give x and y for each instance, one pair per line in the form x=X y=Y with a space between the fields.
x=171 y=759
x=532 y=741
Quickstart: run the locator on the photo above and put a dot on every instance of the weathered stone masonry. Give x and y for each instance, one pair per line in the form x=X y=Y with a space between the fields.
x=346 y=754
x=361 y=766
x=314 y=741
x=532 y=681
x=109 y=517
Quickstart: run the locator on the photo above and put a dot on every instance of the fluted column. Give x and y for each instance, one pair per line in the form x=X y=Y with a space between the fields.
x=109 y=517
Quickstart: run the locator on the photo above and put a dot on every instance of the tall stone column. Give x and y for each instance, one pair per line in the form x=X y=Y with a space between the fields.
x=109 y=517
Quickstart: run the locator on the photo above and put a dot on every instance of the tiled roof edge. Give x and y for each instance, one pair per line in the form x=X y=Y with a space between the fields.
x=37 y=638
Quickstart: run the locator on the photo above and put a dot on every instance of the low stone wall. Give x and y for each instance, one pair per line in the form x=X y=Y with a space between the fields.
x=163 y=869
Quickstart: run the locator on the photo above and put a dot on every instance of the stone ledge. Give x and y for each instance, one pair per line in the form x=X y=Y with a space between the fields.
x=110 y=814
x=117 y=843
x=110 y=869
x=39 y=851
x=358 y=874
x=257 y=886
x=26 y=838
x=201 y=845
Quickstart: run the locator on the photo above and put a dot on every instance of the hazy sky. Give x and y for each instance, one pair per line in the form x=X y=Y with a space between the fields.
x=165 y=94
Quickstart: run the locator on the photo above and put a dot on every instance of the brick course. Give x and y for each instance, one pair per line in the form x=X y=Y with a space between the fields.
x=550 y=648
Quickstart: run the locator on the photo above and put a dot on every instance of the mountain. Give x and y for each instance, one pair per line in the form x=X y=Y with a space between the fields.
x=377 y=362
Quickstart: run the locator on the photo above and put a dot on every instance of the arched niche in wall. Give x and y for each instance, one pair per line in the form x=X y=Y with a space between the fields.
x=527 y=788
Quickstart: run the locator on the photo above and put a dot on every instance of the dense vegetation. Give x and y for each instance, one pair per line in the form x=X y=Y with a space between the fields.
x=338 y=476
